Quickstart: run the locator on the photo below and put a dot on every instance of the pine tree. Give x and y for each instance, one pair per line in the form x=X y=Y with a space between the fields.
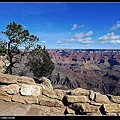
x=17 y=37
x=40 y=63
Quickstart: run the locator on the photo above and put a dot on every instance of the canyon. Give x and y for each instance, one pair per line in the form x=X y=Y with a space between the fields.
x=95 y=69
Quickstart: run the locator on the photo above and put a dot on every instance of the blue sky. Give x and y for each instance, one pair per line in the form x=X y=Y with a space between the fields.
x=67 y=25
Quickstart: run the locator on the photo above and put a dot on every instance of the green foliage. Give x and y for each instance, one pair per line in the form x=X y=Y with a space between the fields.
x=40 y=63
x=17 y=37
x=3 y=46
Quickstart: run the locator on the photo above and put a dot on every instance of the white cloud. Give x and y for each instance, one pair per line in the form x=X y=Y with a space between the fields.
x=43 y=42
x=88 y=33
x=76 y=26
x=116 y=26
x=81 y=34
x=81 y=38
x=86 y=40
x=109 y=38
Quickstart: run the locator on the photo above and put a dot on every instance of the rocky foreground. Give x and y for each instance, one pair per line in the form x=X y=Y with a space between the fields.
x=21 y=96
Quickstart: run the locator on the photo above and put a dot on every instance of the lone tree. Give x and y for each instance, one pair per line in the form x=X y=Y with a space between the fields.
x=17 y=37
x=40 y=62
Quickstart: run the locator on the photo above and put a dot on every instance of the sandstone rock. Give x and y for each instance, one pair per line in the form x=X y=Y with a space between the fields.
x=95 y=103
x=45 y=101
x=56 y=111
x=90 y=108
x=101 y=98
x=69 y=111
x=12 y=109
x=25 y=99
x=86 y=108
x=18 y=98
x=111 y=108
x=8 y=79
x=74 y=99
x=32 y=90
x=11 y=89
x=115 y=99
x=5 y=97
x=37 y=110
x=31 y=100
x=49 y=93
x=60 y=93
x=46 y=82
x=79 y=91
x=26 y=80
x=91 y=95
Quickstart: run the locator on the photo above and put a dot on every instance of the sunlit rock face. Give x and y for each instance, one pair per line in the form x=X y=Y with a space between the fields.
x=24 y=97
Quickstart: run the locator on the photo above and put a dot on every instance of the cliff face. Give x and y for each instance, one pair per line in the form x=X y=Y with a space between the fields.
x=21 y=96
x=98 y=70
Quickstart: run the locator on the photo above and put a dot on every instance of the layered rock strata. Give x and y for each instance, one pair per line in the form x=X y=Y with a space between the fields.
x=22 y=96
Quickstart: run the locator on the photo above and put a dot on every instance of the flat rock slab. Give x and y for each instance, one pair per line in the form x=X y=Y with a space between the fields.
x=13 y=108
x=19 y=109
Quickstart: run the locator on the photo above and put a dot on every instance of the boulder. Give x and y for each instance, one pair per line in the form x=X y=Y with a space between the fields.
x=12 y=79
x=46 y=101
x=25 y=99
x=85 y=108
x=46 y=82
x=26 y=80
x=99 y=98
x=8 y=79
x=111 y=108
x=11 y=89
x=90 y=108
x=30 y=90
x=18 y=98
x=49 y=93
x=77 y=99
x=79 y=91
x=60 y=93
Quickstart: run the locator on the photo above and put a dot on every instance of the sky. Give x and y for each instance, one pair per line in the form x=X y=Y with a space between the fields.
x=66 y=25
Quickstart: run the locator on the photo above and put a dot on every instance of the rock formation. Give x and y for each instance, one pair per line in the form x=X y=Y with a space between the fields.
x=22 y=96
x=98 y=70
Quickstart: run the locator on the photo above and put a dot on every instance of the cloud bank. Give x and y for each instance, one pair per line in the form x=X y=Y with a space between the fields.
x=110 y=38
